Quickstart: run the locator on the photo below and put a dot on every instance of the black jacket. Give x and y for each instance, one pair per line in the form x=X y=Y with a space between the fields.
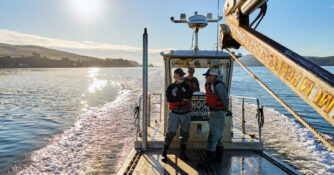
x=183 y=91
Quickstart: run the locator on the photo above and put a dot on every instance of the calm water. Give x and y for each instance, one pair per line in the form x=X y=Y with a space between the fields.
x=80 y=120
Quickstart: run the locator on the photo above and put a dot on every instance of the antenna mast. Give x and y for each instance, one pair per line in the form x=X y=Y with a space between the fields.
x=196 y=22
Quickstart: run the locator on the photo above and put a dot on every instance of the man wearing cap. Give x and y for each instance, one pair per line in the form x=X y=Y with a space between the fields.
x=179 y=103
x=217 y=101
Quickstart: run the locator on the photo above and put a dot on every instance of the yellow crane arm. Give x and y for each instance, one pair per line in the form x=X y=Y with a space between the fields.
x=311 y=82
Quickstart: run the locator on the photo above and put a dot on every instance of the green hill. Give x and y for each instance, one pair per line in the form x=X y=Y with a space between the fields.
x=36 y=56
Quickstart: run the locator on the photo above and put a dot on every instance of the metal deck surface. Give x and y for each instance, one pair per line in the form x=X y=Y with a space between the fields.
x=234 y=162
x=155 y=139
x=240 y=156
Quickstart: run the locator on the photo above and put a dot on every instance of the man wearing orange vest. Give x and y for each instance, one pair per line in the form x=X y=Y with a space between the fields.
x=217 y=101
x=179 y=103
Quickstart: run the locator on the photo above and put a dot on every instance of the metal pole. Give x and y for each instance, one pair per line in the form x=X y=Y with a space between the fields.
x=243 y=116
x=149 y=111
x=196 y=39
x=145 y=51
x=217 y=27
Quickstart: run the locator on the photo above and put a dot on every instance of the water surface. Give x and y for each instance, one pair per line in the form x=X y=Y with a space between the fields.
x=79 y=120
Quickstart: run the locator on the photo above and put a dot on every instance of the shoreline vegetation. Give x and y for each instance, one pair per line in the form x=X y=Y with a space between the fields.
x=38 y=61
x=26 y=56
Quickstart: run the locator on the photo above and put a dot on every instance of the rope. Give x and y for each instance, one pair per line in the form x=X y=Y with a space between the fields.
x=136 y=114
x=286 y=106
x=260 y=116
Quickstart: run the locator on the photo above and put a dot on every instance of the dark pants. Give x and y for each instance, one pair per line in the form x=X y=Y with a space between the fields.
x=174 y=120
x=216 y=124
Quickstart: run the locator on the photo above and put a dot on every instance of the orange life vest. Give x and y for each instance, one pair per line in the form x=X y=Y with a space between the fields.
x=212 y=100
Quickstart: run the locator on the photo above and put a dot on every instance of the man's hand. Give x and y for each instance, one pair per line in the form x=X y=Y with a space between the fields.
x=174 y=91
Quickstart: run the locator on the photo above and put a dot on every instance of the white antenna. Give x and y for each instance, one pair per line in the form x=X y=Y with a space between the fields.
x=196 y=22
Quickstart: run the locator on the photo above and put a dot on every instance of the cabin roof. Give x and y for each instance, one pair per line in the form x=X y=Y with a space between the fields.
x=210 y=53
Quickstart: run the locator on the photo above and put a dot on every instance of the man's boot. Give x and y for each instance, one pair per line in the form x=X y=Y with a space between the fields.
x=210 y=155
x=183 y=156
x=164 y=153
x=219 y=153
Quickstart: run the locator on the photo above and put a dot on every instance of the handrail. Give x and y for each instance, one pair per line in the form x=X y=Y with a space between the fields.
x=149 y=107
x=258 y=112
x=286 y=106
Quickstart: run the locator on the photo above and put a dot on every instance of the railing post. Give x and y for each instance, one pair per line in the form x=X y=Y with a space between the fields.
x=160 y=106
x=230 y=103
x=243 y=116
x=259 y=119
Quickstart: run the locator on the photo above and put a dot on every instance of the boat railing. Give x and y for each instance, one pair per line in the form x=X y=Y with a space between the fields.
x=151 y=102
x=242 y=118
x=136 y=114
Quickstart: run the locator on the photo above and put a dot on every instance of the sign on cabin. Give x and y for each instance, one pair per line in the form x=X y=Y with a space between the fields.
x=199 y=111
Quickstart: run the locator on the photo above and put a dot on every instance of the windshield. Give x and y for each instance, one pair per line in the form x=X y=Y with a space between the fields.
x=199 y=66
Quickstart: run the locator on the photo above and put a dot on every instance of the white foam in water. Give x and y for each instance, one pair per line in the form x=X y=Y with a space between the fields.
x=99 y=141
x=95 y=143
x=102 y=138
x=283 y=137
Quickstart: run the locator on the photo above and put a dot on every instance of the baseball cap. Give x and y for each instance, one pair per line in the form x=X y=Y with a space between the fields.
x=179 y=71
x=211 y=71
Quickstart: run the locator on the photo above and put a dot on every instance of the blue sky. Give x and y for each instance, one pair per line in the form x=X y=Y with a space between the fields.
x=113 y=28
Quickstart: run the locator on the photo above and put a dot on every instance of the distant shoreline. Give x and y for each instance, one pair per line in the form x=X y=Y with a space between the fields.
x=38 y=61
x=77 y=67
x=26 y=56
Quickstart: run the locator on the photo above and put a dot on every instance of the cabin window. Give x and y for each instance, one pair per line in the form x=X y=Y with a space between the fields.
x=201 y=65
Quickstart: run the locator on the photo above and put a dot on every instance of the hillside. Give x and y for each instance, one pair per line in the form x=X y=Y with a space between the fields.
x=250 y=61
x=27 y=50
x=36 y=56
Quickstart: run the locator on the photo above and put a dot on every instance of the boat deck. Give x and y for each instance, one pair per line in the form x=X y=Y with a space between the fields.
x=234 y=162
x=155 y=139
x=242 y=155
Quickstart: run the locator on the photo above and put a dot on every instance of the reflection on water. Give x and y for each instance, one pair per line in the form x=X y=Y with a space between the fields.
x=99 y=138
x=96 y=84
x=36 y=104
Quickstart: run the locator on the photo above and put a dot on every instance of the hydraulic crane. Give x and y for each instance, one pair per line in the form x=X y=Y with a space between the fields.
x=311 y=82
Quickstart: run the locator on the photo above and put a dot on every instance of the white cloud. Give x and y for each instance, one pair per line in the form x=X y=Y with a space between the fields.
x=17 y=38
x=332 y=7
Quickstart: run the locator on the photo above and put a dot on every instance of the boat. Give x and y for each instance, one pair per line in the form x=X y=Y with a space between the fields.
x=243 y=144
